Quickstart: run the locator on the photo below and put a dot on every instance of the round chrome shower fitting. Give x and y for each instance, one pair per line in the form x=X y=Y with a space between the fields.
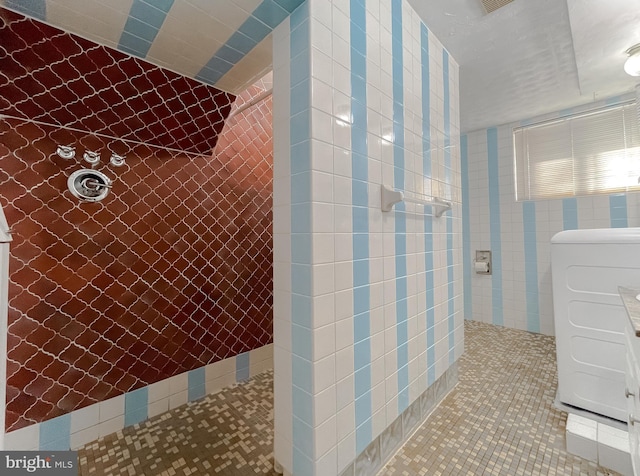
x=91 y=157
x=89 y=185
x=117 y=160
x=66 y=151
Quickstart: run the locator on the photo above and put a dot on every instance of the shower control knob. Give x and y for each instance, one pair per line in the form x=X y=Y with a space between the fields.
x=89 y=185
x=91 y=157
x=117 y=160
x=66 y=151
x=627 y=393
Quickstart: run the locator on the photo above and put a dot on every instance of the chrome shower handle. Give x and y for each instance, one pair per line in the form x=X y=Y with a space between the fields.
x=94 y=184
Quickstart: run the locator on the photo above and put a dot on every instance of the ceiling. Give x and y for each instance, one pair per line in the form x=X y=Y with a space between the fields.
x=532 y=57
x=527 y=58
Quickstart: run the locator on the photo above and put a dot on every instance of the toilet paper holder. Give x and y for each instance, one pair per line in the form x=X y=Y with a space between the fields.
x=482 y=263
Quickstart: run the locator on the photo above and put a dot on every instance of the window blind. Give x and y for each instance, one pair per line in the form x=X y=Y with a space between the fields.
x=590 y=153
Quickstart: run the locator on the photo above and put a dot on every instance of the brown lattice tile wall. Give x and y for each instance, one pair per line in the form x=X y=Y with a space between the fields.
x=173 y=270
x=58 y=78
x=170 y=272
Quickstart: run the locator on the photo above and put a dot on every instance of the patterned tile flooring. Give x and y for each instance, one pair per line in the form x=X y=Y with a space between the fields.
x=499 y=420
x=226 y=433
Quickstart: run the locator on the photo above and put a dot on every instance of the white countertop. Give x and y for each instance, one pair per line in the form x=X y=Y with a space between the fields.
x=632 y=305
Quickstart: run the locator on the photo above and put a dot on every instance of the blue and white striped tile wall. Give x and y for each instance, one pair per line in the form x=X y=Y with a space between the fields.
x=79 y=427
x=448 y=194
x=519 y=234
x=412 y=94
x=384 y=309
x=427 y=167
x=225 y=45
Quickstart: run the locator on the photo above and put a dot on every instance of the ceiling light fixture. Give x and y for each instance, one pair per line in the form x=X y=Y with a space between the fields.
x=632 y=65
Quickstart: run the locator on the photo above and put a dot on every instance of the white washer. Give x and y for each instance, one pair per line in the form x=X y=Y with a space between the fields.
x=587 y=267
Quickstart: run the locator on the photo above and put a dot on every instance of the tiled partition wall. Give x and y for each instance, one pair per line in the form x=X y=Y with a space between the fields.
x=518 y=293
x=367 y=304
x=171 y=273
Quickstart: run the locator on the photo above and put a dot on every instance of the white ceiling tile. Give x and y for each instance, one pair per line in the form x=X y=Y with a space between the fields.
x=100 y=21
x=181 y=41
x=177 y=55
x=519 y=62
x=234 y=12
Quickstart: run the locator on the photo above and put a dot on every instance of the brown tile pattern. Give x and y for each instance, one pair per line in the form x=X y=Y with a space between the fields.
x=230 y=433
x=172 y=271
x=59 y=78
x=499 y=420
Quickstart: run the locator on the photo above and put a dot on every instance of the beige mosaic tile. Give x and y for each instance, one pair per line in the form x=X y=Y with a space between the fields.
x=499 y=420
x=227 y=433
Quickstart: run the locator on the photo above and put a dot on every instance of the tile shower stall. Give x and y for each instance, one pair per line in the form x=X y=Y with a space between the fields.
x=124 y=308
x=224 y=247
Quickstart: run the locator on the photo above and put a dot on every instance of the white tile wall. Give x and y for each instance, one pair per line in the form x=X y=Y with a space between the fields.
x=593 y=212
x=334 y=438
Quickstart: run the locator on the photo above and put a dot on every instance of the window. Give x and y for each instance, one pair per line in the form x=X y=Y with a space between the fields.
x=589 y=153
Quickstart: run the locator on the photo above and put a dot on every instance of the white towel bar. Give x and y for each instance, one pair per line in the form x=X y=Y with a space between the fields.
x=391 y=197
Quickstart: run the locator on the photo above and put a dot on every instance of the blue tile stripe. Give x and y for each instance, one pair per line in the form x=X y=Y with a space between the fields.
x=33 y=8
x=431 y=312
x=142 y=26
x=428 y=221
x=136 y=406
x=450 y=289
x=466 y=229
x=426 y=103
x=494 y=226
x=360 y=224
x=569 y=213
x=301 y=292
x=266 y=16
x=448 y=177
x=55 y=434
x=242 y=366
x=618 y=210
x=531 y=265
x=196 y=383
x=402 y=331
x=447 y=124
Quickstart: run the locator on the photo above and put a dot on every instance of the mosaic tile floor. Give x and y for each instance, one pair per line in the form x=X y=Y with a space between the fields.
x=227 y=433
x=499 y=420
